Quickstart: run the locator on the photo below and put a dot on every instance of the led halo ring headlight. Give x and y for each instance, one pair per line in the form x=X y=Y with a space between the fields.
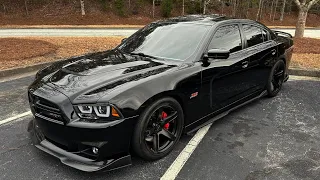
x=97 y=111
x=102 y=111
x=85 y=109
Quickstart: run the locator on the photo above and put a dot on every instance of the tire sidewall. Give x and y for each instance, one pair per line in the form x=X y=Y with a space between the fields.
x=138 y=142
x=272 y=93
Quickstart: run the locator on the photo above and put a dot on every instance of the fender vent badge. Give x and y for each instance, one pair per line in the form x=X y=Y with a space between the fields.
x=195 y=94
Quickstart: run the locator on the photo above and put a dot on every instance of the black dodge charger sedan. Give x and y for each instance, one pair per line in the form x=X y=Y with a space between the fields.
x=170 y=77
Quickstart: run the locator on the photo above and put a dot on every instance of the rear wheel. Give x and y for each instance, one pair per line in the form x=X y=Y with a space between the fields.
x=276 y=78
x=158 y=129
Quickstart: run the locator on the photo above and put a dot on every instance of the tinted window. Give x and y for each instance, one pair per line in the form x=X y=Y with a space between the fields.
x=176 y=41
x=227 y=37
x=253 y=34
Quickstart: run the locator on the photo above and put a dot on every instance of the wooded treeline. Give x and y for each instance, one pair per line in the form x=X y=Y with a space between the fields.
x=255 y=9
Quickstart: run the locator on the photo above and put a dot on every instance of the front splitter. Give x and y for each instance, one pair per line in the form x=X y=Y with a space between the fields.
x=74 y=160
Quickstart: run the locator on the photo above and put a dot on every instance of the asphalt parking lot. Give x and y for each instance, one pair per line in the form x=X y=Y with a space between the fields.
x=276 y=138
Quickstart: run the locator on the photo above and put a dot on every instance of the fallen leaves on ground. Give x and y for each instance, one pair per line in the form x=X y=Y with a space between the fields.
x=18 y=52
x=15 y=49
x=305 y=61
x=307 y=46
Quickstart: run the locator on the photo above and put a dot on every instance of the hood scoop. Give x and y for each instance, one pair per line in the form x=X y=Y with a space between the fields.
x=87 y=67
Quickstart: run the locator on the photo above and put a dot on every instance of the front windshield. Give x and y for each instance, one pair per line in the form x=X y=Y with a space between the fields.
x=176 y=41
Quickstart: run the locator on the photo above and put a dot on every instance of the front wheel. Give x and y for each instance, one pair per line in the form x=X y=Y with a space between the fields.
x=276 y=78
x=158 y=130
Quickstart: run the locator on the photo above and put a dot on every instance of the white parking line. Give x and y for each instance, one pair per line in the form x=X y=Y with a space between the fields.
x=185 y=154
x=15 y=117
x=179 y=162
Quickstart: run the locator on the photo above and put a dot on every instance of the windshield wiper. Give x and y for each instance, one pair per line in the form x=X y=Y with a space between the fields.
x=145 y=55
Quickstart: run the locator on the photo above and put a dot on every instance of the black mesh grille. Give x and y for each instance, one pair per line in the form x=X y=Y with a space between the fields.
x=46 y=109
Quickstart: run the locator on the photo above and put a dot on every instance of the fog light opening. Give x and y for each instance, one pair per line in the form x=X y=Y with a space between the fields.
x=95 y=150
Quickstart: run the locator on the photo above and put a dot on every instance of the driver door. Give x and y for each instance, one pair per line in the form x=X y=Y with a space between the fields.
x=227 y=81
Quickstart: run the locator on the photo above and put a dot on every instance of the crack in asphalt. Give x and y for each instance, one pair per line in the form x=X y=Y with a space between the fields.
x=14 y=149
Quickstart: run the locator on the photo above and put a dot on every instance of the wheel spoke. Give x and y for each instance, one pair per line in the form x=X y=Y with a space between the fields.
x=170 y=118
x=167 y=134
x=279 y=74
x=155 y=142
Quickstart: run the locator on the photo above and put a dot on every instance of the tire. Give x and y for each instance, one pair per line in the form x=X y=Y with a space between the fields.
x=150 y=139
x=276 y=78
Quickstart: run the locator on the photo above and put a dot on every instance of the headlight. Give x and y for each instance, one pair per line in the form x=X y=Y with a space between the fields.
x=98 y=112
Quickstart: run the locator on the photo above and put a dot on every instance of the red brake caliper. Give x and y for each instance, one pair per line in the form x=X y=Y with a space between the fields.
x=163 y=116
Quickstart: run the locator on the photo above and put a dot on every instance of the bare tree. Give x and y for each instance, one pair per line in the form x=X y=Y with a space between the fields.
x=205 y=3
x=182 y=7
x=234 y=12
x=4 y=9
x=222 y=6
x=153 y=7
x=282 y=9
x=259 y=9
x=248 y=7
x=275 y=10
x=290 y=7
x=271 y=11
x=304 y=7
x=83 y=12
x=26 y=6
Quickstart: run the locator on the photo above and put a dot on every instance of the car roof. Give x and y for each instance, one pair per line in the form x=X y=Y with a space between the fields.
x=204 y=19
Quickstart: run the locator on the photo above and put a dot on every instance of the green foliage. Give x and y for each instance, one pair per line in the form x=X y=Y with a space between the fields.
x=136 y=5
x=166 y=7
x=104 y=4
x=119 y=5
x=193 y=7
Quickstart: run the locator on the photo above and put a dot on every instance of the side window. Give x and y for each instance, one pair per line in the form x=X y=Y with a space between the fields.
x=227 y=37
x=253 y=35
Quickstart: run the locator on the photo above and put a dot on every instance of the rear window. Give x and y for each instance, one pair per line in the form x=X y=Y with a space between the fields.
x=253 y=35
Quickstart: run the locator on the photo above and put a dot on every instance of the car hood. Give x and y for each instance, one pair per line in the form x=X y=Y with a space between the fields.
x=87 y=78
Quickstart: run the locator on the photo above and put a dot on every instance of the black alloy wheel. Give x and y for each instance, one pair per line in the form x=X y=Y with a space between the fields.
x=276 y=78
x=158 y=130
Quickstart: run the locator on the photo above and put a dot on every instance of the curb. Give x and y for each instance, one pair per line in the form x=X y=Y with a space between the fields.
x=36 y=67
x=22 y=70
x=304 y=72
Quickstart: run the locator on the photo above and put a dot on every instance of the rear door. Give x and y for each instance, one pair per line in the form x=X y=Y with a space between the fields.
x=262 y=51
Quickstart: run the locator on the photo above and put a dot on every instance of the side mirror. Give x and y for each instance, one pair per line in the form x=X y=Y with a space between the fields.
x=124 y=39
x=218 y=54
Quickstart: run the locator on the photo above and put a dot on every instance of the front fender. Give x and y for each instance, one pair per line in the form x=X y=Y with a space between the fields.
x=132 y=96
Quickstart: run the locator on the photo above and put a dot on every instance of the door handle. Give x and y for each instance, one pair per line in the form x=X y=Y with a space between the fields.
x=245 y=64
x=273 y=51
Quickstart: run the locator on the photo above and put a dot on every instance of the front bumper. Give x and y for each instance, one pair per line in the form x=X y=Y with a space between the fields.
x=74 y=159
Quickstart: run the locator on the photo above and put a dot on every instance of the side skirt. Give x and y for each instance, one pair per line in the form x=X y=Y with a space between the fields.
x=223 y=114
